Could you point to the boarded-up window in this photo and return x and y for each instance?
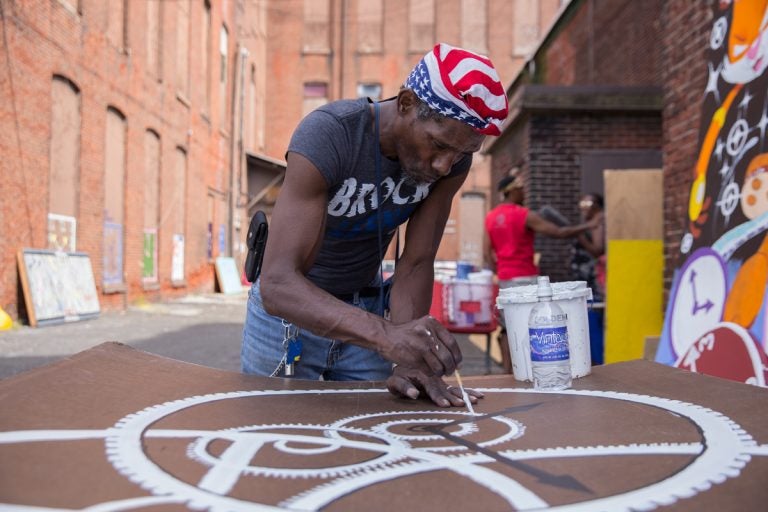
(211, 222)
(474, 25)
(179, 186)
(114, 197)
(116, 10)
(370, 90)
(250, 137)
(421, 36)
(64, 170)
(178, 214)
(182, 46)
(221, 229)
(370, 18)
(154, 37)
(205, 58)
(525, 27)
(315, 95)
(317, 26)
(65, 147)
(223, 65)
(472, 210)
(151, 179)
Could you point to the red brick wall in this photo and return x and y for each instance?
(344, 66)
(509, 152)
(607, 42)
(42, 38)
(684, 41)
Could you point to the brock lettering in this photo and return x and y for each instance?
(353, 199)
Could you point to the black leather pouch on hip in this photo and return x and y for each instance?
(256, 242)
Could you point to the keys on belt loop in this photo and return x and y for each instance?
(292, 346)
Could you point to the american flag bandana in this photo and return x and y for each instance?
(461, 85)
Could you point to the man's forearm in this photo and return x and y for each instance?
(411, 295)
(302, 303)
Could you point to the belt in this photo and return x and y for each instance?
(366, 292)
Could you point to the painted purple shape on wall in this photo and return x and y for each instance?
(113, 253)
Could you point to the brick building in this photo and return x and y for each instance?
(144, 132)
(589, 98)
(125, 124)
(323, 50)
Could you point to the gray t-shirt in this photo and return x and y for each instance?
(338, 138)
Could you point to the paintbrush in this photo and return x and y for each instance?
(464, 394)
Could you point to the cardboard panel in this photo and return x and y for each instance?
(127, 430)
(472, 212)
(228, 275)
(633, 204)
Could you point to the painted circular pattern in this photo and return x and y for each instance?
(716, 451)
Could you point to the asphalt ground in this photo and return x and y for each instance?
(200, 329)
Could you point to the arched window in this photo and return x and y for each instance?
(64, 170)
(151, 206)
(114, 200)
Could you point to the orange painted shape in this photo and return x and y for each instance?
(746, 295)
(698, 188)
(745, 27)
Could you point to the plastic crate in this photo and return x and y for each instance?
(463, 304)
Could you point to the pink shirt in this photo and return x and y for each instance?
(511, 240)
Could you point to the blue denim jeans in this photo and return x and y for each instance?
(329, 359)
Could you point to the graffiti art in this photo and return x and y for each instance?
(716, 316)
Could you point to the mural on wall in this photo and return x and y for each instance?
(177, 258)
(209, 241)
(222, 238)
(149, 256)
(716, 321)
(113, 253)
(62, 232)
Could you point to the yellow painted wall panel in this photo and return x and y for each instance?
(633, 309)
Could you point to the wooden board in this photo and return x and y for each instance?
(127, 430)
(227, 275)
(58, 286)
(633, 204)
(634, 261)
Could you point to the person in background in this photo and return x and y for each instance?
(357, 169)
(511, 229)
(588, 250)
(588, 264)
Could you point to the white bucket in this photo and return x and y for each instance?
(482, 277)
(517, 301)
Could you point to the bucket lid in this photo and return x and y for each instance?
(560, 291)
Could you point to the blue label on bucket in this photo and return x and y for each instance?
(549, 344)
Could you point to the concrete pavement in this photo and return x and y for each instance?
(202, 329)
